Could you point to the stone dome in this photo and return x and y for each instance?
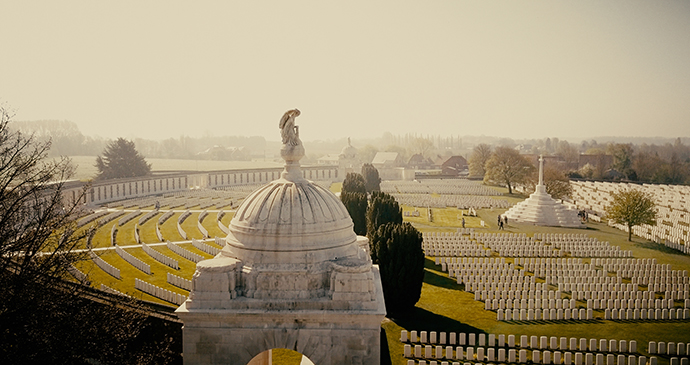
(291, 221)
(348, 151)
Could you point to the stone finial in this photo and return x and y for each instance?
(292, 150)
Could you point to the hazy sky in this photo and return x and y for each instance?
(160, 69)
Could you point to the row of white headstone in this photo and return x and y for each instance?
(180, 220)
(78, 274)
(179, 281)
(160, 257)
(191, 256)
(90, 218)
(200, 226)
(523, 341)
(130, 216)
(141, 265)
(201, 246)
(671, 348)
(433, 354)
(103, 265)
(443, 201)
(672, 207)
(113, 235)
(110, 290)
(165, 217)
(588, 314)
(452, 187)
(158, 292)
(109, 218)
(148, 216)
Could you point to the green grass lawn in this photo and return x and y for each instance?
(443, 306)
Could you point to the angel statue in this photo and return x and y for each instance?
(288, 130)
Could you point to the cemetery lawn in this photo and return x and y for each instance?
(444, 306)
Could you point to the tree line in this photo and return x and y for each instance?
(67, 140)
(507, 166)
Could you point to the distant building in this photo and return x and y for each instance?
(391, 166)
(332, 159)
(419, 162)
(220, 153)
(455, 166)
(347, 160)
(384, 160)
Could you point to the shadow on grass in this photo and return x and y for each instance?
(432, 278)
(656, 247)
(420, 319)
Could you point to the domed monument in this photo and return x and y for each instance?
(292, 274)
(348, 160)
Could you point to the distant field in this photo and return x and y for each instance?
(86, 165)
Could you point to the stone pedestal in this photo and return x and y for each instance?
(542, 210)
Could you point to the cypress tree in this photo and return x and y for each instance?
(372, 181)
(398, 248)
(356, 205)
(383, 209)
(354, 182)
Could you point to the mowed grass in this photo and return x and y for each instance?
(444, 305)
(147, 231)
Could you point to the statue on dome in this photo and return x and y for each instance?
(288, 130)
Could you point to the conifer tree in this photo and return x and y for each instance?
(382, 209)
(354, 197)
(121, 159)
(372, 181)
(354, 182)
(398, 248)
(356, 205)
